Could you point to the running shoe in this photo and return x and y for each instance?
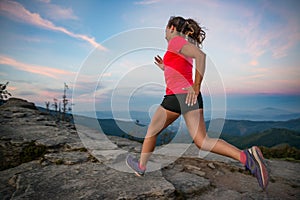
(256, 165)
(133, 163)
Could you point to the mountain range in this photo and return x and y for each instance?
(247, 127)
(269, 138)
(241, 133)
(263, 114)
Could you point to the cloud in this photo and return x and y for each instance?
(276, 30)
(56, 12)
(36, 69)
(28, 93)
(3, 74)
(146, 2)
(44, 1)
(36, 93)
(17, 12)
(253, 63)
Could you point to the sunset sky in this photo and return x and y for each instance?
(254, 45)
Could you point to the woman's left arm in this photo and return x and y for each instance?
(192, 51)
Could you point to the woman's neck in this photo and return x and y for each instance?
(172, 36)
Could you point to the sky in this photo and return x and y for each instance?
(252, 48)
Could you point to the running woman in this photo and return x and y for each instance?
(183, 97)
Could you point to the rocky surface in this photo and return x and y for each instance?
(41, 158)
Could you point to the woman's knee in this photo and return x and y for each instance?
(199, 141)
(206, 143)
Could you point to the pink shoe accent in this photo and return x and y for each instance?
(142, 167)
(243, 158)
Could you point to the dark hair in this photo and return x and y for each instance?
(177, 22)
(189, 28)
(194, 31)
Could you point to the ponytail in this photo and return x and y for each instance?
(194, 32)
(189, 28)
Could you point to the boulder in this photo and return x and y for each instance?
(16, 102)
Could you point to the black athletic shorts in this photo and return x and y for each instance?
(176, 103)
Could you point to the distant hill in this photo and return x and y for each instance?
(247, 133)
(241, 133)
(268, 138)
(246, 127)
(264, 114)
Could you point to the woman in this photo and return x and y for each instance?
(183, 97)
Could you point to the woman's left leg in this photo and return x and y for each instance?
(195, 123)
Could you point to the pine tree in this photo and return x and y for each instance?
(65, 101)
(4, 94)
(47, 106)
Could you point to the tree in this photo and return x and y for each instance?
(60, 106)
(4, 94)
(47, 106)
(65, 101)
(55, 105)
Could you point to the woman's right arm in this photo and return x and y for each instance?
(159, 62)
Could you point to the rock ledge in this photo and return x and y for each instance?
(44, 159)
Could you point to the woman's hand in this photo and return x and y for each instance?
(192, 95)
(159, 62)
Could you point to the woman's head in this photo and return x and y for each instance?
(176, 22)
(175, 25)
(187, 27)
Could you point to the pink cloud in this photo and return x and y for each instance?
(50, 94)
(39, 96)
(57, 13)
(16, 11)
(262, 35)
(264, 80)
(253, 63)
(36, 69)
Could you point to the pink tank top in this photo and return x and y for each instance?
(178, 70)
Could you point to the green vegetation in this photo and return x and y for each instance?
(276, 143)
(59, 162)
(246, 127)
(32, 152)
(284, 152)
(268, 138)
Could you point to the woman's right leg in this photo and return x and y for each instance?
(195, 123)
(161, 119)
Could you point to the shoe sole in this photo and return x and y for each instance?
(263, 170)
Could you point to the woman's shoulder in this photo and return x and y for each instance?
(178, 38)
(176, 43)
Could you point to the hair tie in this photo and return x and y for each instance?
(190, 32)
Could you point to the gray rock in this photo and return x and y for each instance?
(211, 165)
(194, 170)
(67, 158)
(88, 181)
(188, 185)
(41, 158)
(16, 102)
(220, 194)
